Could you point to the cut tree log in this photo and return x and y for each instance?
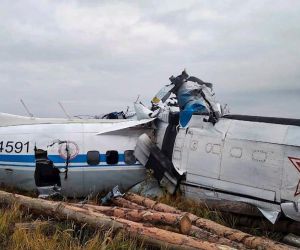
(150, 235)
(121, 202)
(132, 200)
(239, 236)
(211, 226)
(181, 221)
(155, 205)
(195, 231)
(148, 203)
(203, 234)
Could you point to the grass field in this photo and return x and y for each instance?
(68, 235)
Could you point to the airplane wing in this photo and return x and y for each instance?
(163, 94)
(124, 125)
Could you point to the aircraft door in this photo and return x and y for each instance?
(205, 151)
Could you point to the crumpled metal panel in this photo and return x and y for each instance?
(271, 215)
(291, 210)
(148, 188)
(199, 126)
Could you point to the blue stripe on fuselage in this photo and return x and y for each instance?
(18, 158)
(31, 159)
(81, 158)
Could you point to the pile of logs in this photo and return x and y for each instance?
(155, 223)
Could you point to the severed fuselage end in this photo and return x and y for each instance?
(209, 155)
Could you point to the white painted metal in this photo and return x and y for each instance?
(82, 178)
(201, 193)
(291, 175)
(205, 149)
(180, 155)
(257, 131)
(15, 120)
(234, 188)
(293, 136)
(241, 160)
(253, 164)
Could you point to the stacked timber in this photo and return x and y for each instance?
(155, 223)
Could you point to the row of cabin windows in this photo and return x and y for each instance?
(112, 157)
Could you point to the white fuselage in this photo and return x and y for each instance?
(249, 161)
(17, 160)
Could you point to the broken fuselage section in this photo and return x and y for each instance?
(75, 157)
(228, 157)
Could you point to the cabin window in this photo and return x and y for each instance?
(112, 157)
(129, 157)
(93, 157)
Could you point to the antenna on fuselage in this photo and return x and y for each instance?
(63, 109)
(26, 108)
(138, 97)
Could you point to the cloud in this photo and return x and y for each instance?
(97, 56)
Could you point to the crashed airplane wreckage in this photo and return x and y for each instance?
(185, 138)
(209, 155)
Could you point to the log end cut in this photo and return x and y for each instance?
(185, 224)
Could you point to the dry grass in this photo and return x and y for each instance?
(58, 235)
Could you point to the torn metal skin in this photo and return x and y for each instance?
(211, 155)
(185, 137)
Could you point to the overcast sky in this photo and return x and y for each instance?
(98, 56)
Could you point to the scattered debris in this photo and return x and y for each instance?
(114, 193)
